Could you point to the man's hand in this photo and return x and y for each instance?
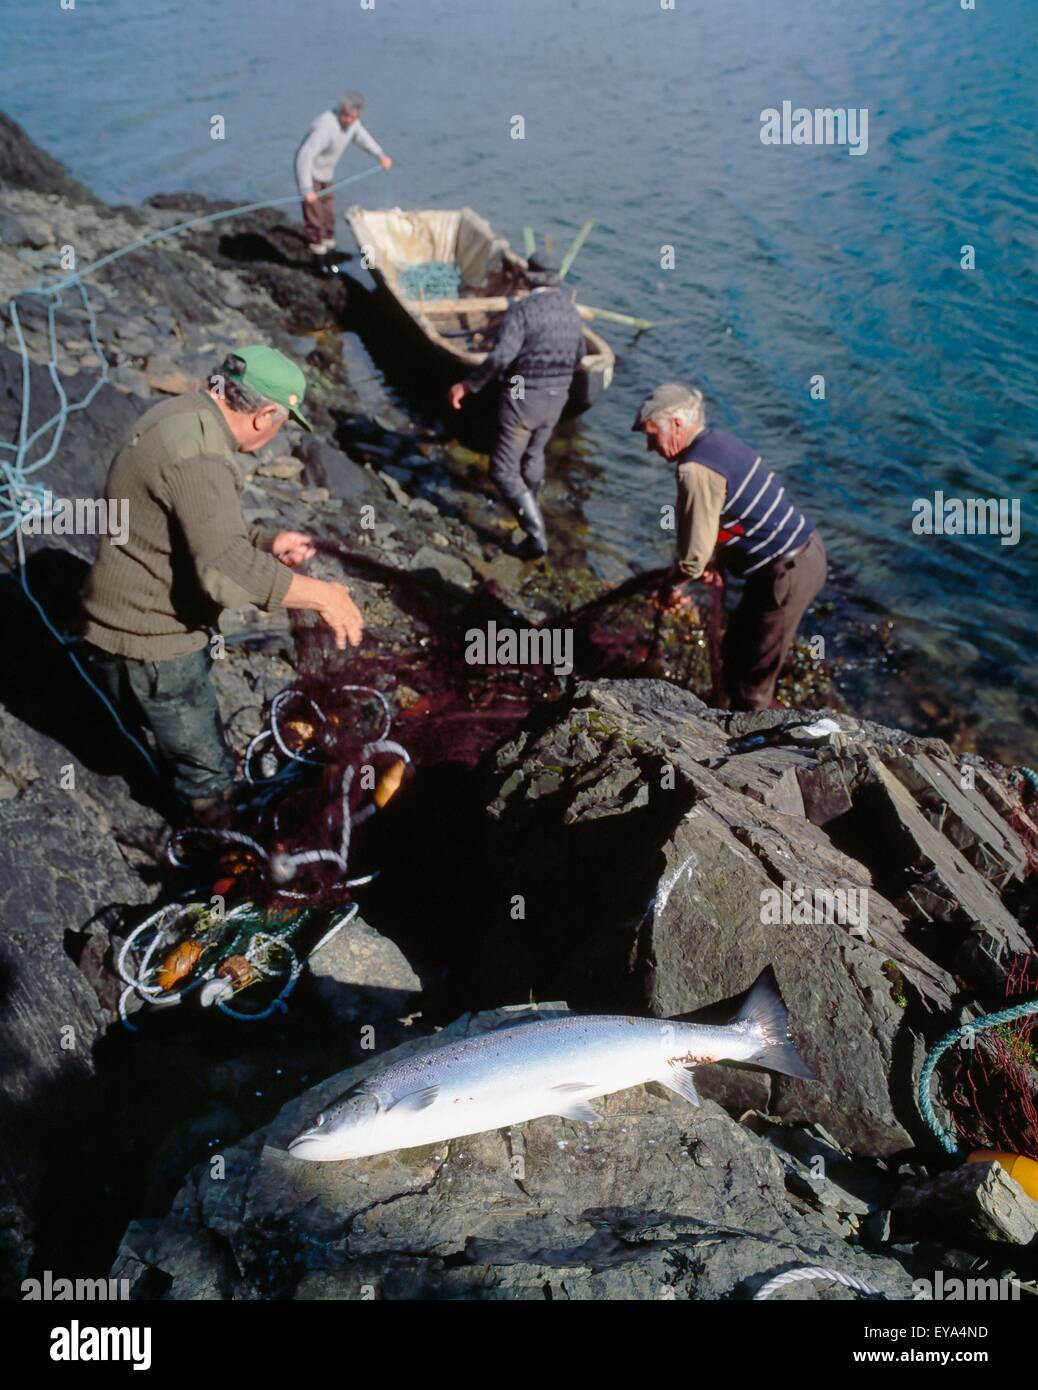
(310, 197)
(293, 548)
(457, 394)
(342, 615)
(674, 598)
(678, 596)
(386, 162)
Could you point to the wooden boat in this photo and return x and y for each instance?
(460, 330)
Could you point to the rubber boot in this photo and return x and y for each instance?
(528, 512)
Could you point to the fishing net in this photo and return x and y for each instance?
(994, 1097)
(430, 280)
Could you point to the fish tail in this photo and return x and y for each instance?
(765, 1009)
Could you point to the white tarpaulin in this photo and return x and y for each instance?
(396, 239)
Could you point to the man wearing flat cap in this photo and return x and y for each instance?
(539, 348)
(316, 158)
(734, 514)
(152, 603)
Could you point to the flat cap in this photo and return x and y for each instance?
(664, 398)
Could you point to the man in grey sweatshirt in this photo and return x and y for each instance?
(316, 159)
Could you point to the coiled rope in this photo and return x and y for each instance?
(281, 867)
(136, 976)
(793, 1276)
(978, 1025)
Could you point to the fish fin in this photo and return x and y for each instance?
(416, 1100)
(678, 1078)
(765, 1008)
(572, 1108)
(578, 1110)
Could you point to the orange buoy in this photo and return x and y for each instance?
(179, 963)
(389, 783)
(1022, 1170)
(240, 971)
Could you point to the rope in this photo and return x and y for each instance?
(218, 990)
(15, 488)
(793, 1276)
(943, 1134)
(281, 867)
(1031, 778)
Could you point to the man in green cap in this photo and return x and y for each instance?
(151, 603)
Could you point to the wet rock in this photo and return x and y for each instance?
(451, 568)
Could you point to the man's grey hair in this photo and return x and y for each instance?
(243, 400)
(351, 101)
(685, 404)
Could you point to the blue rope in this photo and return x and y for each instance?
(15, 487)
(977, 1025)
(1030, 777)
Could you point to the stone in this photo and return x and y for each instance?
(978, 1201)
(285, 466)
(450, 568)
(361, 976)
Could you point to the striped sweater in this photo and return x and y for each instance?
(749, 515)
(189, 552)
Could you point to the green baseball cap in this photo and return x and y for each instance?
(273, 375)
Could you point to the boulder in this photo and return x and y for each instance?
(719, 850)
(362, 976)
(977, 1202)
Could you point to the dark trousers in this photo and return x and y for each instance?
(175, 699)
(761, 630)
(523, 430)
(319, 217)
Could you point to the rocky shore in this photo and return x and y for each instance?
(609, 801)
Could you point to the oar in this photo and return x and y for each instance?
(574, 250)
(586, 311)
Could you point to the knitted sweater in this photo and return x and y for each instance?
(188, 552)
(541, 339)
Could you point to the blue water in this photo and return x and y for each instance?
(790, 261)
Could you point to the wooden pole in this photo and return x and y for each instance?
(613, 316)
(574, 250)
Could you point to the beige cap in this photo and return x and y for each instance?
(664, 398)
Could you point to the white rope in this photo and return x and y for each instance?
(793, 1276)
